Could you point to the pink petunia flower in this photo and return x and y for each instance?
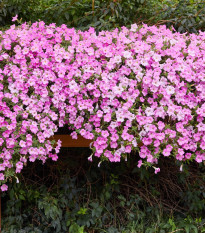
(4, 188)
(14, 18)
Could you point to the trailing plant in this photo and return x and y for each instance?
(139, 89)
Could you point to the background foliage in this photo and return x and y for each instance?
(74, 195)
(184, 15)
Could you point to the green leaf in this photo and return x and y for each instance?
(21, 197)
(67, 16)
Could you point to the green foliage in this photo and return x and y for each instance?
(81, 14)
(26, 9)
(183, 15)
(64, 197)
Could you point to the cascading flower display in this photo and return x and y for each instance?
(117, 88)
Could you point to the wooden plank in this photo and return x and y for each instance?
(67, 141)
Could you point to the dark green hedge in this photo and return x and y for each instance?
(76, 196)
(183, 15)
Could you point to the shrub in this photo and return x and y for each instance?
(120, 88)
(72, 195)
(102, 15)
(183, 15)
(28, 10)
(81, 14)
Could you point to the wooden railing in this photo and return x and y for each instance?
(67, 141)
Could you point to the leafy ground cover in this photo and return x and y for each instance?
(74, 195)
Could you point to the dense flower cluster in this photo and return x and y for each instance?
(118, 88)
